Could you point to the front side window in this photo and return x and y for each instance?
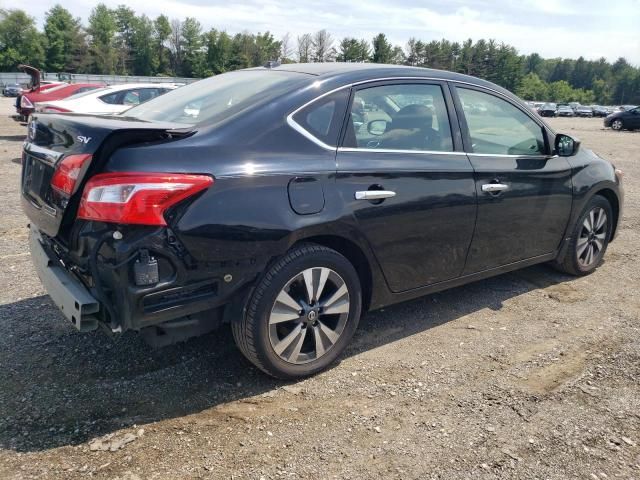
(399, 117)
(496, 127)
(132, 97)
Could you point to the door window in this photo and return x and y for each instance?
(499, 128)
(399, 117)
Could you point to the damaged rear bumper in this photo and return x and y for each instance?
(69, 294)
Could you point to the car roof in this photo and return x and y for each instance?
(356, 72)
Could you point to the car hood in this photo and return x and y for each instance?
(34, 73)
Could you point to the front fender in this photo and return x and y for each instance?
(592, 175)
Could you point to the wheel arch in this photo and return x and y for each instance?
(352, 252)
(614, 201)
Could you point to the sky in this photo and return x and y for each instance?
(553, 28)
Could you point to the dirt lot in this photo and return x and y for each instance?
(531, 374)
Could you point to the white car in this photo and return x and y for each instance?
(107, 101)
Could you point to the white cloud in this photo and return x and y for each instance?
(563, 28)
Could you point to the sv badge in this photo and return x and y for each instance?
(83, 139)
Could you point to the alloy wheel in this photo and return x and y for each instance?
(617, 125)
(309, 315)
(592, 239)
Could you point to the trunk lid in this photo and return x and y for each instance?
(34, 73)
(51, 138)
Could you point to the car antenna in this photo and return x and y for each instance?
(272, 64)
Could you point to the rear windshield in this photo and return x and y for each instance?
(217, 98)
(86, 93)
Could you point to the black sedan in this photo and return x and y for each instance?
(270, 199)
(548, 110)
(599, 111)
(625, 120)
(12, 90)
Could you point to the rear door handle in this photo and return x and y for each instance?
(374, 194)
(494, 187)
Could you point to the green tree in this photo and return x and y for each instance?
(561, 91)
(241, 51)
(20, 41)
(382, 49)
(265, 48)
(193, 50)
(348, 50)
(533, 88)
(145, 60)
(126, 22)
(65, 43)
(161, 34)
(602, 91)
(102, 46)
(219, 51)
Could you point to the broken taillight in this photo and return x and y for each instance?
(67, 171)
(137, 198)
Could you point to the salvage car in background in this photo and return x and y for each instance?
(37, 92)
(257, 197)
(565, 111)
(600, 111)
(107, 100)
(625, 120)
(25, 106)
(583, 111)
(12, 90)
(548, 110)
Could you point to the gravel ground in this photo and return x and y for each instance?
(532, 374)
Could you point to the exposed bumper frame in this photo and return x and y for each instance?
(68, 293)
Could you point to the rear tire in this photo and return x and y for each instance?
(589, 239)
(302, 313)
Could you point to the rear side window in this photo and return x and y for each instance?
(323, 118)
(112, 98)
(496, 127)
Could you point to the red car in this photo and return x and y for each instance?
(38, 92)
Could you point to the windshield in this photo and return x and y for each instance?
(217, 98)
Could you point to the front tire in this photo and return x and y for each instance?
(589, 240)
(302, 313)
(617, 124)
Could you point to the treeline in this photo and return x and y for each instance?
(118, 41)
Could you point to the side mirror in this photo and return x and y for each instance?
(377, 127)
(566, 146)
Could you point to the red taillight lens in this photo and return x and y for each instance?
(66, 175)
(25, 102)
(137, 198)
